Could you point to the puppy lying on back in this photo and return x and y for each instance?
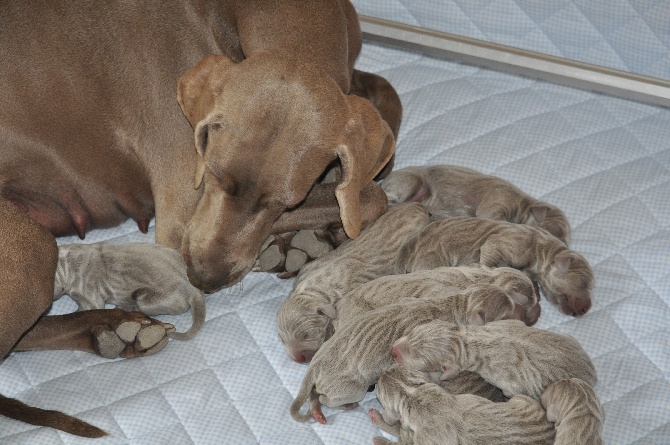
(436, 282)
(564, 275)
(448, 190)
(304, 318)
(136, 276)
(420, 412)
(514, 357)
(347, 364)
(576, 412)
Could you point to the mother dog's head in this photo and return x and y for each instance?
(265, 130)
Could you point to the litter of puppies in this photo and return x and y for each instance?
(442, 321)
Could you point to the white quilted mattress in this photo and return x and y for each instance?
(604, 161)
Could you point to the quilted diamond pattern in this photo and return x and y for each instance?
(605, 161)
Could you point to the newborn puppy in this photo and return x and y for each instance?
(508, 354)
(564, 275)
(437, 282)
(576, 412)
(136, 276)
(448, 190)
(347, 364)
(427, 415)
(470, 383)
(304, 318)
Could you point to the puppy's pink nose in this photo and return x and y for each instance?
(395, 354)
(579, 306)
(299, 358)
(584, 306)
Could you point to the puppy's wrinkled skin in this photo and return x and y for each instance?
(565, 276)
(426, 414)
(449, 190)
(304, 320)
(136, 276)
(471, 383)
(436, 283)
(514, 357)
(574, 408)
(347, 364)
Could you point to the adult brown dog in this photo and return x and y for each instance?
(91, 133)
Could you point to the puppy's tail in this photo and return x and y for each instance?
(198, 311)
(17, 410)
(303, 395)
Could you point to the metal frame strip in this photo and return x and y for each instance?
(517, 61)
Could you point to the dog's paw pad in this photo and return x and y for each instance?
(307, 241)
(149, 336)
(127, 331)
(107, 343)
(157, 347)
(271, 258)
(295, 259)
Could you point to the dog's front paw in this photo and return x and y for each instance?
(287, 253)
(131, 334)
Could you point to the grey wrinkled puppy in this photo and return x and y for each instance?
(470, 383)
(514, 357)
(135, 276)
(436, 283)
(564, 275)
(345, 366)
(421, 412)
(304, 318)
(449, 190)
(574, 408)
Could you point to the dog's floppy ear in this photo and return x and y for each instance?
(367, 146)
(198, 87)
(196, 91)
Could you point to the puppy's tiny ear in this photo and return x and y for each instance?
(552, 415)
(449, 372)
(328, 310)
(539, 212)
(389, 418)
(519, 298)
(477, 318)
(562, 262)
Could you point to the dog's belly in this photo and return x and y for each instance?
(73, 202)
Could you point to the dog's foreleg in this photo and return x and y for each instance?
(106, 332)
(320, 209)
